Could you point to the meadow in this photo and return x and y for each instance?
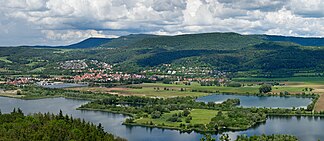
(199, 116)
(292, 85)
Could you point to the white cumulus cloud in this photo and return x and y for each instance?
(59, 22)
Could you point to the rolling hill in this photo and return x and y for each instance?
(87, 43)
(298, 40)
(260, 55)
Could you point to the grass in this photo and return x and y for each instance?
(162, 120)
(4, 59)
(292, 90)
(145, 91)
(174, 90)
(196, 86)
(3, 70)
(10, 93)
(32, 64)
(149, 87)
(199, 116)
(319, 106)
(202, 116)
(151, 92)
(40, 69)
(292, 85)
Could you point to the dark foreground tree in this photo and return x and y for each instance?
(18, 127)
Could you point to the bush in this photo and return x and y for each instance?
(234, 84)
(174, 119)
(188, 119)
(156, 114)
(186, 112)
(265, 88)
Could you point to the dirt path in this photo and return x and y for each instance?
(10, 93)
(319, 106)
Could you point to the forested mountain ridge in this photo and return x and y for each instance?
(87, 43)
(304, 41)
(220, 41)
(221, 51)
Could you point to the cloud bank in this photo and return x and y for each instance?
(58, 22)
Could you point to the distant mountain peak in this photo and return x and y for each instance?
(89, 43)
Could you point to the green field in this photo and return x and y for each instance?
(151, 92)
(150, 89)
(196, 86)
(4, 59)
(202, 116)
(196, 90)
(38, 69)
(32, 64)
(199, 116)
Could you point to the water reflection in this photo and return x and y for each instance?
(305, 128)
(260, 101)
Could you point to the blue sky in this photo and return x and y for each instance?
(59, 22)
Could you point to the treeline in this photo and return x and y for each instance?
(141, 107)
(169, 56)
(18, 127)
(237, 119)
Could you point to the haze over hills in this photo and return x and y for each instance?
(247, 54)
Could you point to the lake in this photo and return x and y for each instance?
(63, 85)
(305, 128)
(260, 101)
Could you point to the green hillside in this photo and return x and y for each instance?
(220, 41)
(247, 54)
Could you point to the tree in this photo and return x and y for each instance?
(18, 92)
(207, 137)
(234, 84)
(224, 137)
(100, 128)
(156, 114)
(186, 112)
(265, 88)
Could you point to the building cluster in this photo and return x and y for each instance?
(168, 69)
(93, 70)
(108, 77)
(73, 65)
(84, 64)
(20, 81)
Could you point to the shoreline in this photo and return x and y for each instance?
(170, 127)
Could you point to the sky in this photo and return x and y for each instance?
(60, 22)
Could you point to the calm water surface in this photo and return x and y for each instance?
(260, 101)
(64, 85)
(305, 128)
